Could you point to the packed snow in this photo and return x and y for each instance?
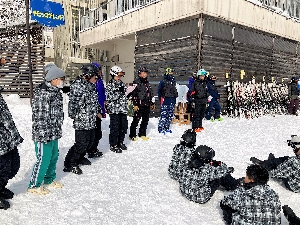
(134, 187)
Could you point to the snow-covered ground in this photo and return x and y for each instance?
(134, 187)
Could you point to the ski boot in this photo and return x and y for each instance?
(73, 169)
(122, 146)
(255, 161)
(6, 193)
(115, 149)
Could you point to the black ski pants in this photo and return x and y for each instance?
(118, 128)
(200, 107)
(272, 163)
(9, 166)
(98, 136)
(144, 113)
(84, 140)
(227, 181)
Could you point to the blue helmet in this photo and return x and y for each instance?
(201, 72)
(97, 65)
(295, 79)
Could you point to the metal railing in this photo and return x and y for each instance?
(287, 8)
(111, 10)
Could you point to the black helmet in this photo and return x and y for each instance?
(205, 153)
(142, 69)
(211, 77)
(89, 70)
(189, 137)
(258, 173)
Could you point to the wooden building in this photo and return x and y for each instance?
(14, 49)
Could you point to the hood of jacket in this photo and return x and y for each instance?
(260, 192)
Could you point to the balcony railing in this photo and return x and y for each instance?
(111, 10)
(287, 8)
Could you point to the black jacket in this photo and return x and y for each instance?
(200, 91)
(142, 94)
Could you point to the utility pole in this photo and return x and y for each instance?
(29, 50)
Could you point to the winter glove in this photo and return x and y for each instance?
(135, 108)
(152, 107)
(215, 163)
(193, 105)
(122, 89)
(209, 98)
(230, 169)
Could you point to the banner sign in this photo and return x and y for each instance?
(47, 13)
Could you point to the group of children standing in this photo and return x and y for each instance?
(252, 200)
(89, 101)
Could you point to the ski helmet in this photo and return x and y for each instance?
(211, 77)
(258, 173)
(194, 75)
(201, 72)
(89, 70)
(205, 153)
(295, 79)
(142, 69)
(97, 65)
(169, 71)
(189, 137)
(115, 70)
(295, 143)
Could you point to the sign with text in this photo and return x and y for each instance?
(47, 13)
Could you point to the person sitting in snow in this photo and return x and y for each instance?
(285, 168)
(47, 120)
(181, 154)
(167, 94)
(254, 202)
(9, 154)
(203, 176)
(213, 100)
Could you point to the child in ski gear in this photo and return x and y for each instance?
(167, 94)
(285, 168)
(189, 108)
(181, 154)
(47, 120)
(290, 215)
(199, 95)
(83, 108)
(142, 103)
(203, 176)
(101, 100)
(117, 108)
(293, 93)
(100, 89)
(213, 99)
(254, 202)
(9, 155)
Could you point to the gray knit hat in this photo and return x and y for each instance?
(53, 72)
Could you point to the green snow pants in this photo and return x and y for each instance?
(44, 170)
